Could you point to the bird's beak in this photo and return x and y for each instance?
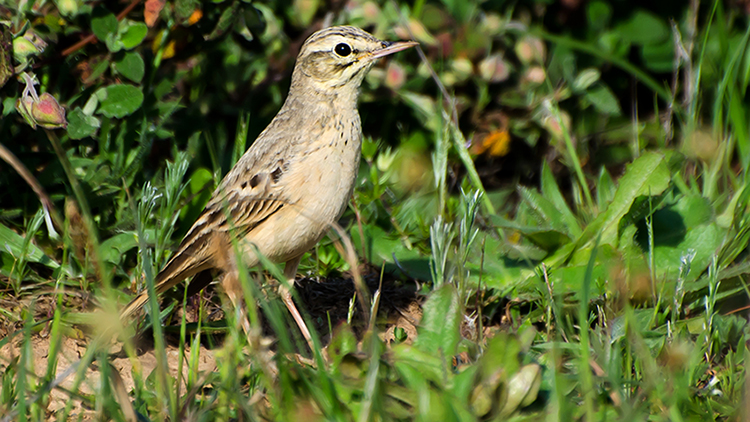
(390, 48)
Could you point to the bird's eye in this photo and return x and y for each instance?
(343, 49)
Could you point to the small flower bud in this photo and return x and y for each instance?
(67, 7)
(23, 106)
(23, 48)
(494, 69)
(534, 75)
(42, 110)
(395, 75)
(48, 113)
(531, 50)
(463, 68)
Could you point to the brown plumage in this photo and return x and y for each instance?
(296, 178)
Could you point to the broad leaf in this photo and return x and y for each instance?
(103, 23)
(12, 243)
(551, 191)
(439, 328)
(130, 66)
(603, 100)
(648, 175)
(113, 249)
(81, 125)
(131, 34)
(119, 100)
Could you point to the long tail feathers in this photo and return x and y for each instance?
(177, 269)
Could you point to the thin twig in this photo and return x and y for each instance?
(91, 37)
(29, 178)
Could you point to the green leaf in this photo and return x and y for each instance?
(103, 23)
(598, 13)
(119, 100)
(131, 34)
(439, 329)
(113, 43)
(543, 208)
(659, 57)
(81, 125)
(687, 227)
(545, 236)
(603, 100)
(562, 64)
(9, 106)
(13, 244)
(644, 28)
(703, 240)
(605, 189)
(113, 249)
(501, 357)
(130, 66)
(417, 365)
(99, 68)
(569, 279)
(503, 274)
(498, 363)
(648, 175)
(342, 343)
(586, 78)
(199, 190)
(551, 191)
(523, 388)
(385, 248)
(695, 210)
(226, 20)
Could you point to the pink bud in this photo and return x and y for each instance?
(395, 76)
(531, 50)
(48, 113)
(534, 75)
(494, 69)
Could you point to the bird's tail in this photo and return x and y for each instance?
(177, 269)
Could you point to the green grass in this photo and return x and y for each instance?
(611, 284)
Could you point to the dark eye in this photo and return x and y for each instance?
(342, 49)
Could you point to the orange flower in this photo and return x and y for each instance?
(496, 142)
(195, 17)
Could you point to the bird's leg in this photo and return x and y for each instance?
(290, 270)
(233, 289)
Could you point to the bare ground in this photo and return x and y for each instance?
(326, 302)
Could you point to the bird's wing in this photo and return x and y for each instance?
(249, 194)
(243, 200)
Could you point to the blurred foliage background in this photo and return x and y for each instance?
(582, 86)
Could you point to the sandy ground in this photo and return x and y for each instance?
(329, 301)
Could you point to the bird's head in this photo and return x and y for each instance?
(338, 58)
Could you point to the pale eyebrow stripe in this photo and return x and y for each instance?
(341, 33)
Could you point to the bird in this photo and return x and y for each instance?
(295, 180)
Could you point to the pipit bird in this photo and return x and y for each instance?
(295, 180)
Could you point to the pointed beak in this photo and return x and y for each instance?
(390, 48)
